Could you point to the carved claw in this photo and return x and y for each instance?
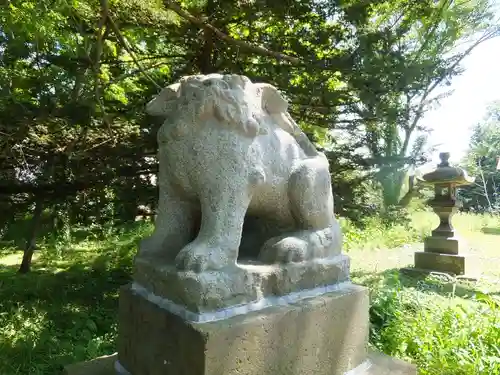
(199, 257)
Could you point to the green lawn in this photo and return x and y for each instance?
(65, 309)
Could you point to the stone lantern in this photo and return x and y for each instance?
(443, 250)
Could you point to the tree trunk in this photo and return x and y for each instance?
(31, 240)
(392, 182)
(412, 192)
(205, 60)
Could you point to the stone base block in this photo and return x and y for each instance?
(99, 366)
(381, 364)
(375, 364)
(444, 245)
(239, 285)
(455, 264)
(324, 335)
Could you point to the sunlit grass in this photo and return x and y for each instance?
(426, 322)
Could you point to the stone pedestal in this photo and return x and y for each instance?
(245, 287)
(375, 364)
(446, 252)
(323, 335)
(456, 264)
(296, 319)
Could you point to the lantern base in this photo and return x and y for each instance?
(444, 245)
(455, 264)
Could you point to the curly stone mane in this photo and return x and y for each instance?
(232, 99)
(227, 97)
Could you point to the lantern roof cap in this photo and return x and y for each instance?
(447, 174)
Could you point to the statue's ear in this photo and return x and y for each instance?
(272, 101)
(276, 105)
(236, 80)
(158, 106)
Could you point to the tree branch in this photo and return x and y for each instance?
(133, 73)
(145, 58)
(419, 111)
(172, 5)
(432, 30)
(61, 189)
(125, 45)
(102, 32)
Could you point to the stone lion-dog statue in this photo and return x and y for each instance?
(237, 174)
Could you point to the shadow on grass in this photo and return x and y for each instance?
(52, 317)
(427, 283)
(495, 231)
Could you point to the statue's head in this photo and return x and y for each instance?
(232, 99)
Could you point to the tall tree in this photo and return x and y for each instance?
(481, 161)
(75, 75)
(410, 54)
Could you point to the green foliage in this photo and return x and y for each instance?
(481, 162)
(75, 75)
(409, 56)
(375, 233)
(74, 84)
(41, 329)
(443, 335)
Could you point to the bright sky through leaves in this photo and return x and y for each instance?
(478, 86)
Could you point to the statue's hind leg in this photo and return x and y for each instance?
(311, 203)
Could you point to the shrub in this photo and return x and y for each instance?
(441, 335)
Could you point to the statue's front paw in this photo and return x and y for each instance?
(284, 250)
(199, 257)
(302, 246)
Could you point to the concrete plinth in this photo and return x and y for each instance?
(444, 245)
(243, 284)
(456, 264)
(375, 364)
(324, 335)
(320, 334)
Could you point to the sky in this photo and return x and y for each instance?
(478, 86)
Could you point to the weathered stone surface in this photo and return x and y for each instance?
(375, 364)
(443, 250)
(243, 274)
(446, 174)
(325, 335)
(381, 364)
(457, 264)
(230, 154)
(444, 245)
(241, 284)
(104, 365)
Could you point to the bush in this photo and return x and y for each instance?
(377, 233)
(441, 335)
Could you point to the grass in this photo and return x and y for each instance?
(443, 333)
(65, 310)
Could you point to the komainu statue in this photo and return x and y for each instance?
(237, 178)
